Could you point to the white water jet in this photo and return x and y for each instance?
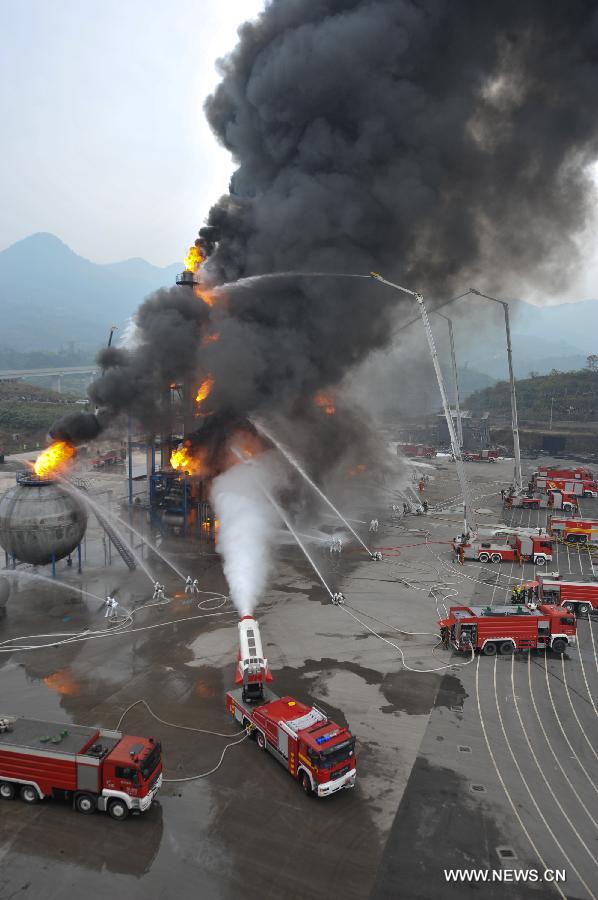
(294, 462)
(247, 527)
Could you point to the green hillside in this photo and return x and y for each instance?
(27, 411)
(572, 395)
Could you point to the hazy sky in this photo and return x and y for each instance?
(104, 141)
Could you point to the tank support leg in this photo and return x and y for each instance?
(79, 558)
(53, 566)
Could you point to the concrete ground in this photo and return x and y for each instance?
(487, 764)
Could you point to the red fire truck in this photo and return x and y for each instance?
(316, 751)
(488, 456)
(556, 472)
(574, 531)
(551, 500)
(494, 628)
(416, 450)
(90, 767)
(110, 458)
(580, 597)
(574, 481)
(512, 547)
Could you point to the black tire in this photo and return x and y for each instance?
(490, 649)
(570, 606)
(559, 645)
(29, 794)
(540, 560)
(484, 558)
(582, 539)
(260, 740)
(306, 784)
(506, 648)
(85, 804)
(8, 790)
(118, 810)
(496, 558)
(583, 609)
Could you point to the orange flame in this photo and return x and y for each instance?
(53, 457)
(210, 338)
(62, 682)
(194, 258)
(202, 294)
(326, 402)
(205, 389)
(359, 469)
(182, 459)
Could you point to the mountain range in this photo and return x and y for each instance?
(51, 297)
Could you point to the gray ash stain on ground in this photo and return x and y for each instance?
(414, 693)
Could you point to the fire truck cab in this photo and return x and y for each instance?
(501, 628)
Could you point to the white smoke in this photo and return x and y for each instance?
(248, 526)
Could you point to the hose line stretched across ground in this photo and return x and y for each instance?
(186, 728)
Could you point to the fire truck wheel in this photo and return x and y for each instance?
(261, 740)
(490, 649)
(506, 648)
(496, 557)
(7, 790)
(118, 810)
(540, 560)
(583, 609)
(306, 784)
(582, 538)
(483, 557)
(85, 803)
(559, 646)
(29, 794)
(569, 606)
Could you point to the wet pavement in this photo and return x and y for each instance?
(422, 803)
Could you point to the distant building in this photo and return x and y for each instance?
(476, 429)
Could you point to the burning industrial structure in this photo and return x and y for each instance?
(415, 133)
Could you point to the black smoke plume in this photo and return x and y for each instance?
(432, 141)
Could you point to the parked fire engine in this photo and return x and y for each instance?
(488, 456)
(574, 531)
(580, 597)
(110, 458)
(578, 472)
(91, 767)
(502, 628)
(512, 547)
(416, 450)
(552, 500)
(316, 751)
(579, 482)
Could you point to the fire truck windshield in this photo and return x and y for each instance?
(150, 762)
(335, 755)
